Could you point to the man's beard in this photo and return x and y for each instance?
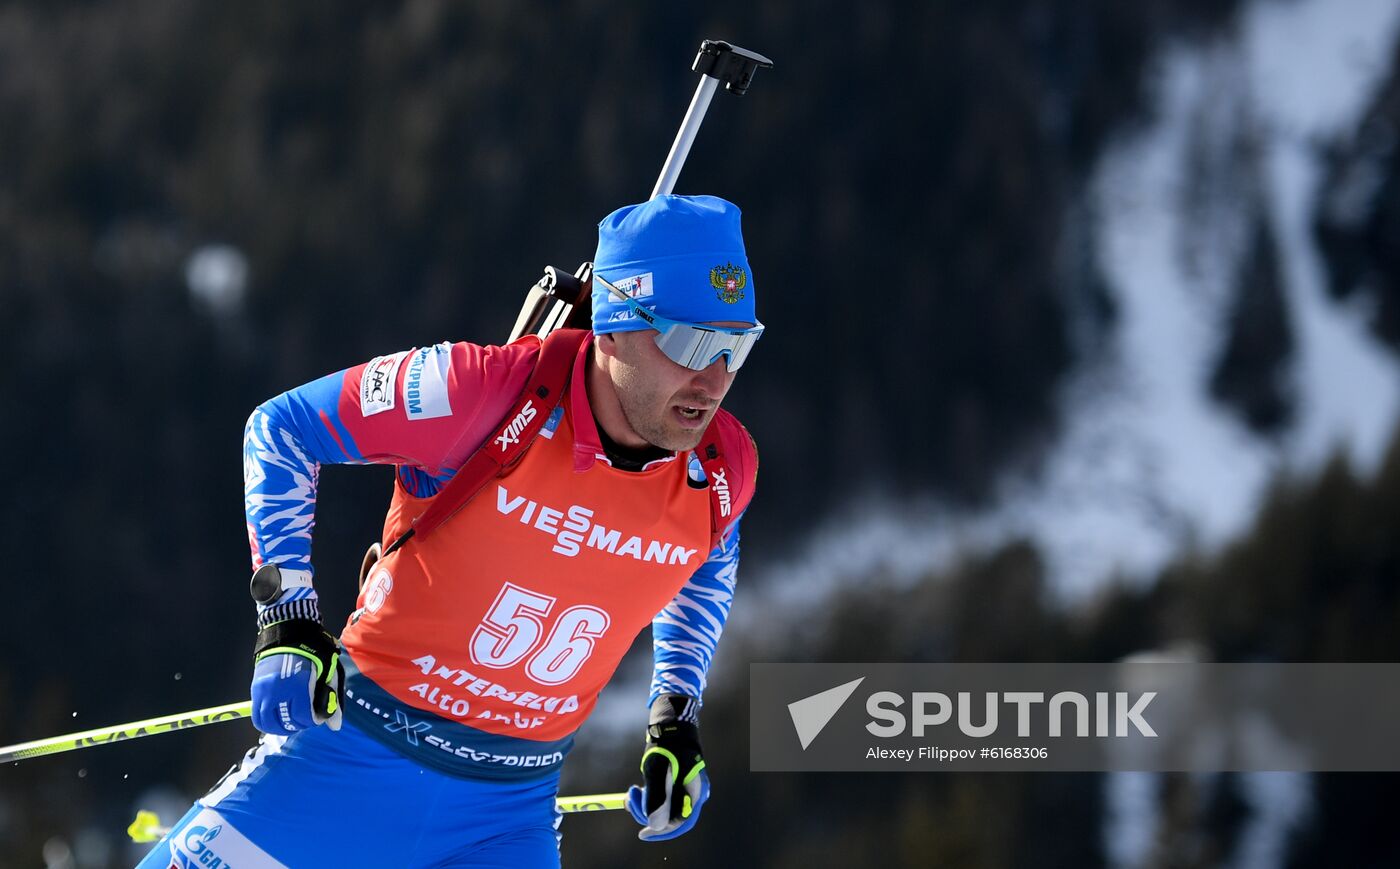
(652, 427)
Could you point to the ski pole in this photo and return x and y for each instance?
(591, 803)
(147, 827)
(122, 732)
(213, 715)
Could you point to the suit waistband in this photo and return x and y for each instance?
(446, 746)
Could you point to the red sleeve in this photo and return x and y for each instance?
(433, 406)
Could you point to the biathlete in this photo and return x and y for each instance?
(476, 652)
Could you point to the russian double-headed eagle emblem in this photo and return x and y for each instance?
(729, 281)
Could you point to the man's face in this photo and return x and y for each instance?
(667, 404)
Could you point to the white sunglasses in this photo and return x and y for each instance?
(693, 346)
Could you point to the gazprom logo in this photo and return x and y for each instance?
(413, 385)
(425, 392)
(197, 843)
(198, 837)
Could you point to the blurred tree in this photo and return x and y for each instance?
(1252, 372)
(1358, 223)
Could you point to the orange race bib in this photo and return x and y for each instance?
(514, 615)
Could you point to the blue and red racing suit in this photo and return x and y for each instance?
(472, 658)
(426, 411)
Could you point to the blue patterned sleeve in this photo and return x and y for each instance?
(285, 442)
(421, 409)
(686, 633)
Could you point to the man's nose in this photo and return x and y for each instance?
(713, 378)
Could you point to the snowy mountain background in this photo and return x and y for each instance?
(1205, 220)
(1150, 462)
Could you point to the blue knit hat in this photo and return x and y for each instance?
(680, 256)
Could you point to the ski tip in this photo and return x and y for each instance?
(146, 828)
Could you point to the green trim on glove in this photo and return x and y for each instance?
(307, 639)
(293, 650)
(656, 749)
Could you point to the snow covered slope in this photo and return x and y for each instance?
(1149, 461)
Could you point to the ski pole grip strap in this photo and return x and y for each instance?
(303, 635)
(512, 437)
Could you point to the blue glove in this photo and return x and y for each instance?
(674, 782)
(297, 678)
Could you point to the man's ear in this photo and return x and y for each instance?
(606, 344)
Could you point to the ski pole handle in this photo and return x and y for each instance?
(123, 732)
(718, 63)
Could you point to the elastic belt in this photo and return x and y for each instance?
(447, 746)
